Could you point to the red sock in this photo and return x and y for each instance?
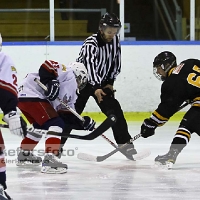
(52, 145)
(28, 144)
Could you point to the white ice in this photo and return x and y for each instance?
(113, 179)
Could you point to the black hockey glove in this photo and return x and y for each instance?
(53, 90)
(148, 128)
(88, 124)
(108, 91)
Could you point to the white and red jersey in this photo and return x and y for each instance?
(8, 74)
(8, 84)
(68, 85)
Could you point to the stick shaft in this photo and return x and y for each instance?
(101, 158)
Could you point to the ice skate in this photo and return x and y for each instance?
(129, 151)
(168, 159)
(52, 165)
(27, 158)
(60, 153)
(3, 194)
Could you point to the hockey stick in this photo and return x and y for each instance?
(104, 126)
(184, 104)
(73, 111)
(76, 114)
(88, 157)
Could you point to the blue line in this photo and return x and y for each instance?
(73, 43)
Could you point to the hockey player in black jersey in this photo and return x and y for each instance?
(180, 83)
(101, 55)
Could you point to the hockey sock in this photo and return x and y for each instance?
(52, 145)
(28, 144)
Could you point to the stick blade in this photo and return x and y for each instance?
(86, 157)
(141, 155)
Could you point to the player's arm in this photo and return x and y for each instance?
(169, 105)
(48, 76)
(8, 105)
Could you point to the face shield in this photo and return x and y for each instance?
(160, 71)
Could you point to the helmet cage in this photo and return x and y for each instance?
(80, 73)
(81, 79)
(166, 67)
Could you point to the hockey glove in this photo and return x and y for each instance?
(53, 90)
(148, 128)
(16, 123)
(108, 91)
(88, 124)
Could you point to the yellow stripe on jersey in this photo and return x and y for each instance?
(196, 99)
(196, 104)
(170, 71)
(183, 133)
(160, 117)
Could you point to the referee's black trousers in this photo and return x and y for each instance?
(108, 106)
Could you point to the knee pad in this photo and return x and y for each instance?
(56, 129)
(57, 121)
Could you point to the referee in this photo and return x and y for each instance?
(101, 55)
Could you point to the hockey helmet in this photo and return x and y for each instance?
(166, 60)
(109, 20)
(80, 73)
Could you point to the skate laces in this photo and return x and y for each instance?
(52, 157)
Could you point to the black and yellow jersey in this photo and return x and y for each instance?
(182, 84)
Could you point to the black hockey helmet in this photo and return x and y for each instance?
(166, 60)
(109, 20)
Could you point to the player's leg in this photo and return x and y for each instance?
(43, 116)
(3, 186)
(81, 101)
(108, 106)
(32, 111)
(188, 125)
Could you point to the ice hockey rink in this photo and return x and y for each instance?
(116, 178)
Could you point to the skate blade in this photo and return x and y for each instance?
(141, 155)
(86, 157)
(26, 164)
(50, 170)
(168, 165)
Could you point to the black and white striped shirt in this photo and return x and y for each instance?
(102, 60)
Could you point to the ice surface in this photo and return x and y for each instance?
(113, 179)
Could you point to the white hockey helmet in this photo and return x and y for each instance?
(80, 73)
(0, 42)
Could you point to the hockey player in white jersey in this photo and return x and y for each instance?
(41, 109)
(8, 104)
